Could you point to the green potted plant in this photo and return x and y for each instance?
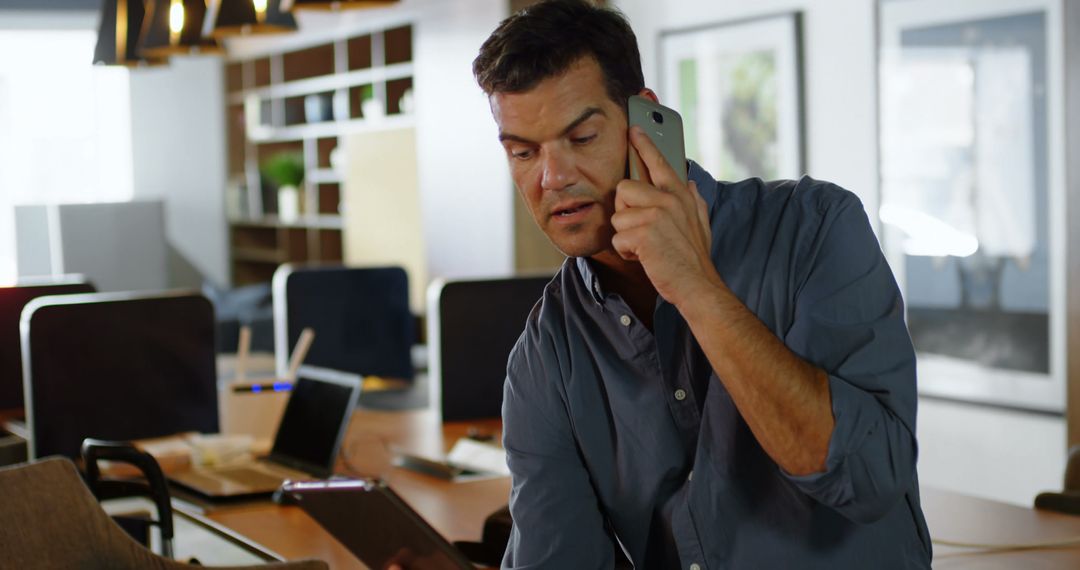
(370, 107)
(286, 171)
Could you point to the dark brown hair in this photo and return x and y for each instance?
(545, 39)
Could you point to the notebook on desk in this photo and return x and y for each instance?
(305, 446)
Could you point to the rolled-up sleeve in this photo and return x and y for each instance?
(849, 321)
(557, 519)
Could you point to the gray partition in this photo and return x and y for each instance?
(472, 326)
(117, 246)
(117, 366)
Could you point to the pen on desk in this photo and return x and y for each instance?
(267, 387)
(243, 346)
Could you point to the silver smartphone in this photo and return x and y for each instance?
(664, 127)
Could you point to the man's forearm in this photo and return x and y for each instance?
(784, 399)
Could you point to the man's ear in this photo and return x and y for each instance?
(649, 94)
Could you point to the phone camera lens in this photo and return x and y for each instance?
(657, 118)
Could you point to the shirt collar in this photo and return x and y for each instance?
(589, 278)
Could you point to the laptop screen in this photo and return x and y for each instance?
(314, 421)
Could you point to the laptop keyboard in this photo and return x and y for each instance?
(249, 476)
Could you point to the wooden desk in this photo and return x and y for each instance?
(956, 517)
(456, 510)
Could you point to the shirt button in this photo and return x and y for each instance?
(625, 320)
(680, 394)
(695, 566)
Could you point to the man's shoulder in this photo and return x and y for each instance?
(535, 355)
(808, 193)
(545, 318)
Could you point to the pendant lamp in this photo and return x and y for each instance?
(118, 34)
(174, 27)
(226, 18)
(335, 4)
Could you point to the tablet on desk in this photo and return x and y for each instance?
(376, 525)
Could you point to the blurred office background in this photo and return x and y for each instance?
(360, 137)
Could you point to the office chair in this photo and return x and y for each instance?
(472, 326)
(360, 315)
(51, 520)
(153, 487)
(117, 366)
(12, 302)
(1068, 500)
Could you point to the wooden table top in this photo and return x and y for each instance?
(458, 510)
(961, 518)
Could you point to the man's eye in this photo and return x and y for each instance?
(521, 154)
(583, 140)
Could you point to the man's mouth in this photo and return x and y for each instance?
(571, 210)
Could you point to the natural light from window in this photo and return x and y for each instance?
(65, 128)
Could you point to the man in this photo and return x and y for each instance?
(720, 375)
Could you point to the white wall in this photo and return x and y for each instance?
(178, 148)
(465, 187)
(839, 68)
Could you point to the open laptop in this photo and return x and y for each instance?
(306, 445)
(376, 525)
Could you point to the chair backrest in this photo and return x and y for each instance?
(49, 519)
(360, 316)
(117, 366)
(472, 326)
(12, 302)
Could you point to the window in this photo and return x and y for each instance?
(65, 127)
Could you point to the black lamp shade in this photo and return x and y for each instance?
(335, 4)
(159, 39)
(118, 33)
(226, 18)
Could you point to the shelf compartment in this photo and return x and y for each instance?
(295, 243)
(253, 238)
(311, 62)
(330, 246)
(236, 138)
(262, 71)
(258, 255)
(357, 98)
(324, 147)
(359, 52)
(329, 198)
(234, 77)
(398, 45)
(247, 272)
(394, 90)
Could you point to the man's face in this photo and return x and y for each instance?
(566, 142)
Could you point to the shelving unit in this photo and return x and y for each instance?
(305, 100)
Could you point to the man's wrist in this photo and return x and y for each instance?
(705, 295)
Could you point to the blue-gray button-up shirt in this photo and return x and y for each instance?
(625, 446)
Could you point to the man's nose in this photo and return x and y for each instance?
(559, 171)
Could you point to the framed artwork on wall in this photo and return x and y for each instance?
(738, 86)
(972, 193)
